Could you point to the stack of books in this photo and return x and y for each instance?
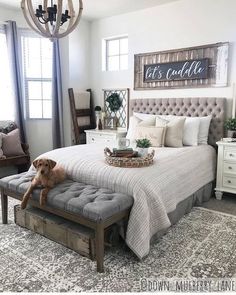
(126, 153)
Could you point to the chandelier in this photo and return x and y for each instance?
(52, 20)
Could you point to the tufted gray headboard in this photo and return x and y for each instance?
(192, 107)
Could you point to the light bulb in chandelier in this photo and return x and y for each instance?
(47, 19)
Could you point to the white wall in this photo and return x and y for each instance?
(175, 25)
(74, 62)
(78, 72)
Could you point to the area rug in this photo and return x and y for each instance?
(201, 245)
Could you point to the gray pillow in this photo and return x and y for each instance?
(1, 152)
(11, 144)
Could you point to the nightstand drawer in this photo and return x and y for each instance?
(95, 139)
(229, 181)
(229, 167)
(230, 154)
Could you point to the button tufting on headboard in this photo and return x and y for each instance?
(193, 107)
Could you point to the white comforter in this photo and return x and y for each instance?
(176, 174)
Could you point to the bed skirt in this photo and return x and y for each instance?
(202, 195)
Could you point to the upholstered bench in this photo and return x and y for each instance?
(96, 208)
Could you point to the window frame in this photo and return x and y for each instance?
(30, 34)
(107, 56)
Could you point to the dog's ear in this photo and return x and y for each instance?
(35, 163)
(51, 164)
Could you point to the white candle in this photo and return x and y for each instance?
(233, 107)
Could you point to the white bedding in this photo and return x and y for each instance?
(176, 174)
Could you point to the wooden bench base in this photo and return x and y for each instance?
(98, 227)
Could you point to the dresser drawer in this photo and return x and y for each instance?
(230, 154)
(99, 138)
(229, 167)
(229, 181)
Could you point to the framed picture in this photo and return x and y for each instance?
(201, 66)
(110, 123)
(122, 114)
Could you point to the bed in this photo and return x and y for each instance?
(165, 191)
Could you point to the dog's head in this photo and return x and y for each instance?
(44, 166)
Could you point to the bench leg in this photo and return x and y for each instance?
(4, 203)
(100, 247)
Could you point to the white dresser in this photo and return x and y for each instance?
(226, 169)
(104, 136)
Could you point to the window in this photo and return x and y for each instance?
(7, 101)
(37, 65)
(117, 54)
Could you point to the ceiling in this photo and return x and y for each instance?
(95, 9)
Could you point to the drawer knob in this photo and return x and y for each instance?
(92, 139)
(230, 168)
(231, 155)
(229, 181)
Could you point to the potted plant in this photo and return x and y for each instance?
(142, 146)
(230, 126)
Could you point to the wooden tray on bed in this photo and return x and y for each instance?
(136, 162)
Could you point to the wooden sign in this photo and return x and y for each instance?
(202, 66)
(181, 70)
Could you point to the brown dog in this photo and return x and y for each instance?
(48, 175)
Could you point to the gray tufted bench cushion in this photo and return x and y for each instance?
(78, 198)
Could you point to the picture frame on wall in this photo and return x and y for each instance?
(122, 114)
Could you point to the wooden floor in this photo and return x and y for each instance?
(226, 205)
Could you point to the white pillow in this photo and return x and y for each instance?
(191, 131)
(191, 128)
(204, 129)
(143, 116)
(133, 122)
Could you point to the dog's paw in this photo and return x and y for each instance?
(42, 201)
(23, 205)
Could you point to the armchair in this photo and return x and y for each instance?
(20, 162)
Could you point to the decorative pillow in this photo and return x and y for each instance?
(156, 135)
(174, 132)
(133, 122)
(1, 136)
(148, 122)
(7, 126)
(11, 144)
(191, 128)
(204, 129)
(1, 152)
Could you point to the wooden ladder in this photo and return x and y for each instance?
(78, 113)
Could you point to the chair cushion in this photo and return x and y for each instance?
(74, 197)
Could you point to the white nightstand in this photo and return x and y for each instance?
(104, 136)
(226, 169)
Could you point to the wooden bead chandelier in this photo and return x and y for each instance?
(49, 19)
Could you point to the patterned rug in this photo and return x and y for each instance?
(202, 245)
